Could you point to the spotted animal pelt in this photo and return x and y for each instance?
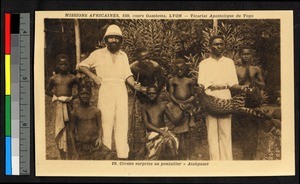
(219, 107)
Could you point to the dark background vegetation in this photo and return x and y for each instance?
(168, 39)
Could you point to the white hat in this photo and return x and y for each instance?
(113, 30)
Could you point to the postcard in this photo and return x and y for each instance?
(164, 93)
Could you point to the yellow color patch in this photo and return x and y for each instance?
(7, 74)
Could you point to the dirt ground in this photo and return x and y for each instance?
(268, 144)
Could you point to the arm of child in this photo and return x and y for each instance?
(192, 89)
(171, 92)
(77, 83)
(100, 130)
(50, 87)
(170, 116)
(150, 126)
(260, 80)
(73, 121)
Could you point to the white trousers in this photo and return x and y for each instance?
(219, 131)
(113, 103)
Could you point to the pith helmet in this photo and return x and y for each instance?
(113, 30)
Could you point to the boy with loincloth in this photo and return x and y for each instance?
(86, 130)
(60, 89)
(161, 143)
(181, 90)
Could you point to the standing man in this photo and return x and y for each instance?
(113, 71)
(149, 72)
(217, 73)
(250, 76)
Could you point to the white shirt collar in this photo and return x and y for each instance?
(215, 59)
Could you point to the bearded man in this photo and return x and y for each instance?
(113, 72)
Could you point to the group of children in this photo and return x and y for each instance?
(171, 142)
(78, 132)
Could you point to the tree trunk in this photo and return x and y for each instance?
(215, 26)
(77, 40)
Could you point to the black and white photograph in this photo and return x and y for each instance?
(129, 93)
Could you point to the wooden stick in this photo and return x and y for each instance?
(133, 114)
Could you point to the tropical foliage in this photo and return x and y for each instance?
(169, 39)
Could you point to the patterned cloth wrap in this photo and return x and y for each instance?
(88, 151)
(61, 116)
(156, 143)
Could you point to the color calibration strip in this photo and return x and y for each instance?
(17, 94)
(8, 155)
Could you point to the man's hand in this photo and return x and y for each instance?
(98, 142)
(245, 88)
(143, 89)
(137, 86)
(97, 80)
(217, 87)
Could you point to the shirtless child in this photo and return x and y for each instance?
(60, 89)
(161, 143)
(86, 130)
(249, 75)
(181, 90)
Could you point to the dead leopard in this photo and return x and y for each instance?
(216, 106)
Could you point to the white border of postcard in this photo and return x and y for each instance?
(285, 166)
